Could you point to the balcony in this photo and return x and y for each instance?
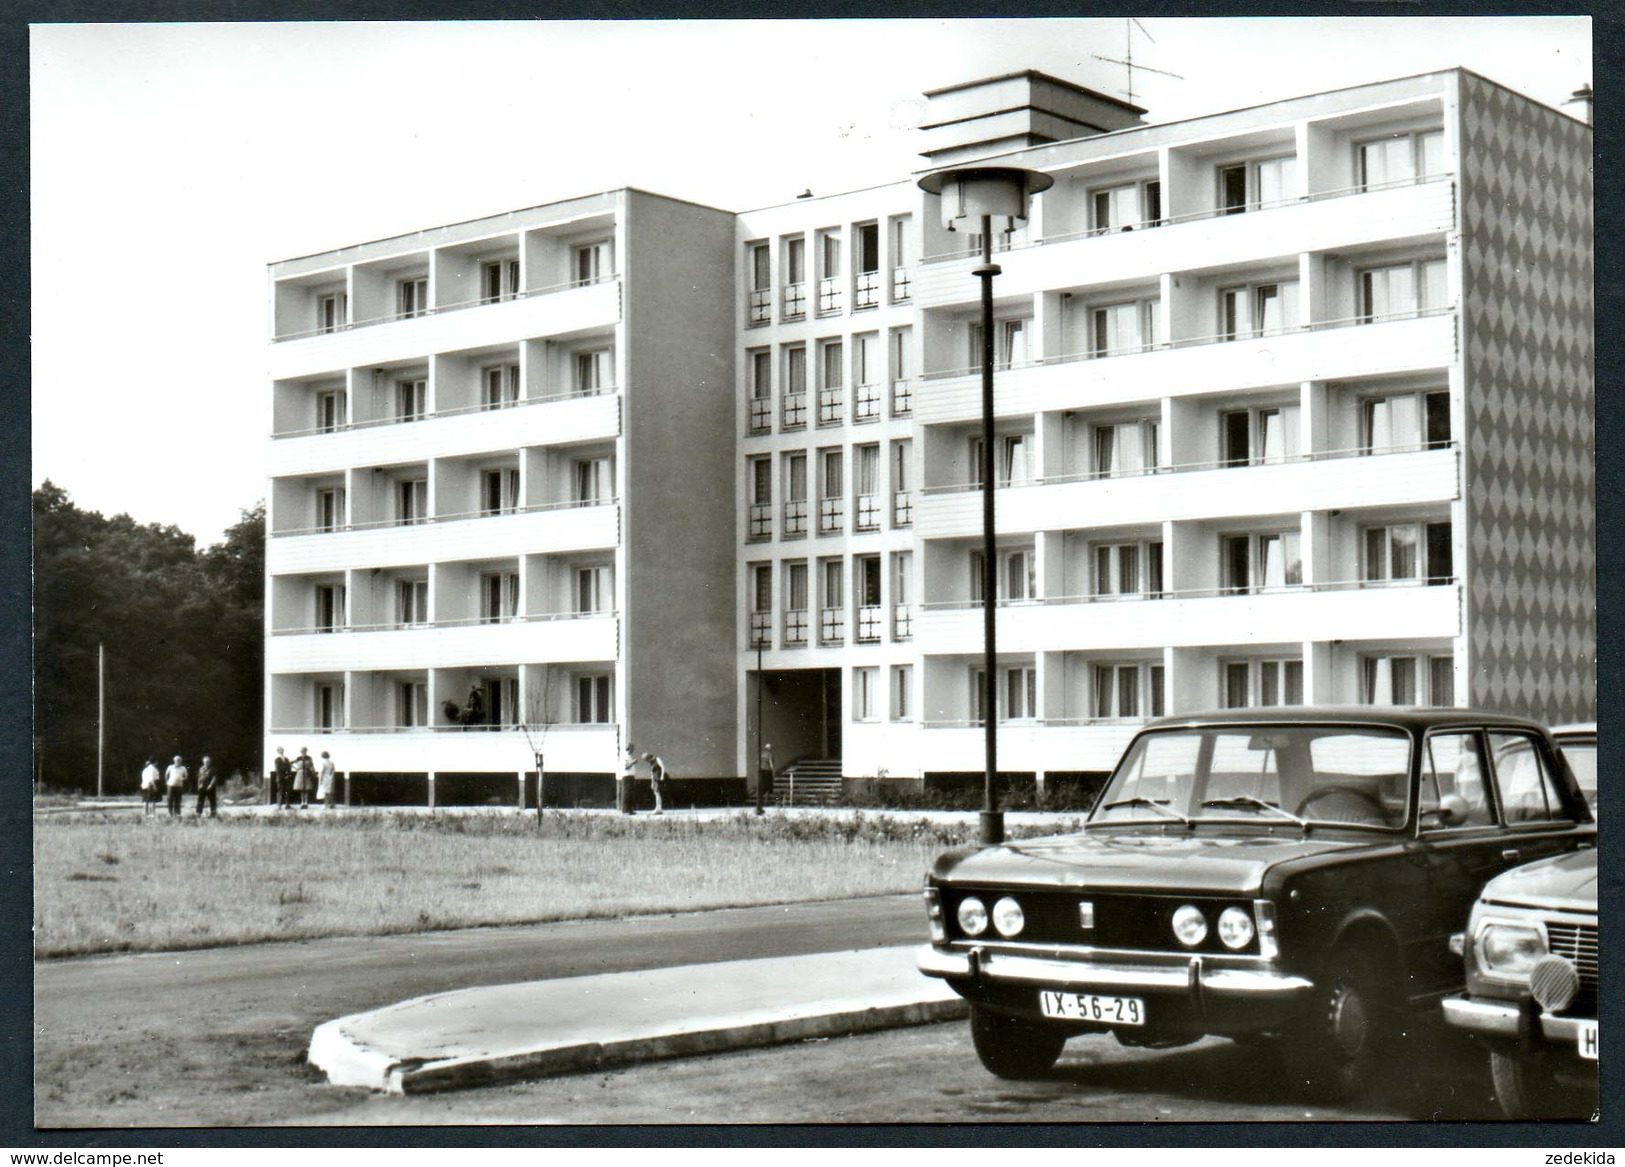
(948, 746)
(452, 328)
(543, 421)
(1331, 221)
(561, 637)
(552, 527)
(1328, 480)
(569, 748)
(1330, 350)
(1324, 612)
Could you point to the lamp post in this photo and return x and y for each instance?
(985, 193)
(760, 638)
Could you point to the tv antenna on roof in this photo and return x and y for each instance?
(1127, 59)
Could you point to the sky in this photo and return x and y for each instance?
(170, 163)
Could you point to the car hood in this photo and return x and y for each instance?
(1567, 882)
(1139, 861)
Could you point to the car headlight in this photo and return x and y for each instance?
(1236, 927)
(1008, 917)
(1509, 950)
(972, 916)
(1190, 925)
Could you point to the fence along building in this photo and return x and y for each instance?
(1294, 407)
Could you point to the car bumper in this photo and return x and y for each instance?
(1236, 998)
(1502, 1019)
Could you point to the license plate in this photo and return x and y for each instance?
(1587, 1041)
(1092, 1007)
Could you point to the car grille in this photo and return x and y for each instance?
(1138, 922)
(1578, 942)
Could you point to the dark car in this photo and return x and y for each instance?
(1579, 745)
(1531, 956)
(1286, 876)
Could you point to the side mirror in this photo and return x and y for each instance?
(1452, 809)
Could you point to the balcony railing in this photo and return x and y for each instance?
(902, 284)
(867, 403)
(832, 405)
(902, 621)
(761, 415)
(795, 301)
(457, 622)
(795, 517)
(902, 508)
(831, 516)
(761, 521)
(870, 621)
(512, 727)
(902, 397)
(761, 630)
(795, 627)
(439, 309)
(1344, 585)
(829, 295)
(866, 290)
(417, 520)
(794, 413)
(867, 507)
(458, 411)
(831, 625)
(760, 309)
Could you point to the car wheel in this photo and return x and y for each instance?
(1527, 1087)
(1012, 1048)
(1333, 1051)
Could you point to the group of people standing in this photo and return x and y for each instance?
(636, 767)
(175, 781)
(300, 778)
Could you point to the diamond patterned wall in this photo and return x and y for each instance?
(1528, 357)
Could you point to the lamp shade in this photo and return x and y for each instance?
(974, 191)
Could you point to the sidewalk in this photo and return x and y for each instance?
(479, 1036)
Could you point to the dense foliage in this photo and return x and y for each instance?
(182, 633)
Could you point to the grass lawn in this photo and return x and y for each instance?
(126, 882)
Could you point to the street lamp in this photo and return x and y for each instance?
(986, 193)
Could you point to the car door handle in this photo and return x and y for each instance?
(1510, 854)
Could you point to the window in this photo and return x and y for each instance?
(499, 386)
(595, 589)
(1122, 208)
(831, 503)
(795, 278)
(865, 694)
(1126, 448)
(866, 277)
(902, 507)
(411, 500)
(592, 262)
(1128, 569)
(1258, 309)
(795, 386)
(1011, 454)
(593, 481)
(1127, 690)
(795, 603)
(1453, 768)
(1407, 553)
(795, 495)
(1400, 158)
(761, 390)
(1131, 327)
(1010, 339)
(1254, 563)
(330, 410)
(412, 296)
(1403, 680)
(412, 704)
(831, 382)
(758, 260)
(329, 706)
(1405, 421)
(867, 376)
(832, 614)
(412, 601)
(902, 592)
(499, 596)
(1247, 186)
(329, 607)
(499, 280)
(1402, 290)
(330, 508)
(902, 258)
(1253, 436)
(902, 692)
(866, 582)
(594, 371)
(759, 519)
(411, 399)
(332, 312)
(829, 271)
(1524, 780)
(902, 385)
(1017, 694)
(866, 487)
(595, 699)
(761, 605)
(1251, 683)
(499, 491)
(502, 701)
(1016, 579)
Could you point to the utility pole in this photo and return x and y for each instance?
(101, 714)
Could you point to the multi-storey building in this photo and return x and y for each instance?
(1293, 406)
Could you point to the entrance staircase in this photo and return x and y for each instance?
(809, 782)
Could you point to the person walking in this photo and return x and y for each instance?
(764, 773)
(627, 786)
(658, 774)
(175, 780)
(304, 777)
(324, 790)
(208, 788)
(151, 783)
(281, 780)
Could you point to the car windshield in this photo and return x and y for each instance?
(1293, 774)
(1582, 757)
